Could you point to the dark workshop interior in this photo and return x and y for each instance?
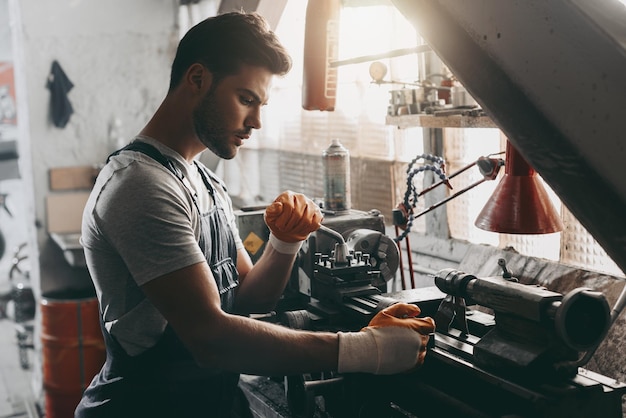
(478, 152)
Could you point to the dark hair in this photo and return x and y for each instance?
(223, 43)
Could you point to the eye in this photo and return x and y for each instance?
(247, 100)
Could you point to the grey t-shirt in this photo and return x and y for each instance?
(140, 223)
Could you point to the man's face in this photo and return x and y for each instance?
(231, 109)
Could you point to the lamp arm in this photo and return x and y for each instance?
(489, 168)
(447, 199)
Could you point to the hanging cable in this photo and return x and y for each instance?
(403, 215)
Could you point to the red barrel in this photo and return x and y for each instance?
(73, 351)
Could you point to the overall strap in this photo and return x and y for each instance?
(206, 174)
(152, 152)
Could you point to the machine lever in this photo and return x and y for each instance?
(341, 247)
(506, 274)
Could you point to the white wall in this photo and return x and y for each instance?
(117, 54)
(5, 35)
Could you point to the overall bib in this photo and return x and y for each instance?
(165, 381)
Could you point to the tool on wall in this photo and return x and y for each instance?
(18, 303)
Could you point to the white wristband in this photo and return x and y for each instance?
(285, 247)
(357, 352)
(384, 350)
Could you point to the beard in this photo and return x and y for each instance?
(207, 122)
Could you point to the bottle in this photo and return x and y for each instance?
(321, 33)
(336, 162)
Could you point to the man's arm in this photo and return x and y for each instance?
(290, 218)
(189, 300)
(262, 285)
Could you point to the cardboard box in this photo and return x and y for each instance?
(64, 211)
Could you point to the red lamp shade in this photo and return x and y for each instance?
(520, 203)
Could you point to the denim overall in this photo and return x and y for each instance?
(165, 381)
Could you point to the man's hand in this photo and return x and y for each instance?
(394, 341)
(405, 315)
(292, 217)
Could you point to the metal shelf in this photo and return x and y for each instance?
(432, 121)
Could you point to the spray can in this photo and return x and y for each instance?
(336, 162)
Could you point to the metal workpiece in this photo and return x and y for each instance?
(453, 282)
(382, 252)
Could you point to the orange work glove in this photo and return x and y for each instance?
(394, 342)
(292, 217)
(405, 315)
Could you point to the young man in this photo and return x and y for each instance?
(171, 274)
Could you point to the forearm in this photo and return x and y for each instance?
(189, 299)
(290, 219)
(389, 345)
(261, 287)
(249, 346)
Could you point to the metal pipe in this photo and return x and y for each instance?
(403, 284)
(410, 259)
(316, 384)
(390, 54)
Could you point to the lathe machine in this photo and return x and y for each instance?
(501, 348)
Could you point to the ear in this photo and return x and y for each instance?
(198, 76)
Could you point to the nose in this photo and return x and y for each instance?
(254, 118)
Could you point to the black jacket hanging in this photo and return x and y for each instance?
(59, 85)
